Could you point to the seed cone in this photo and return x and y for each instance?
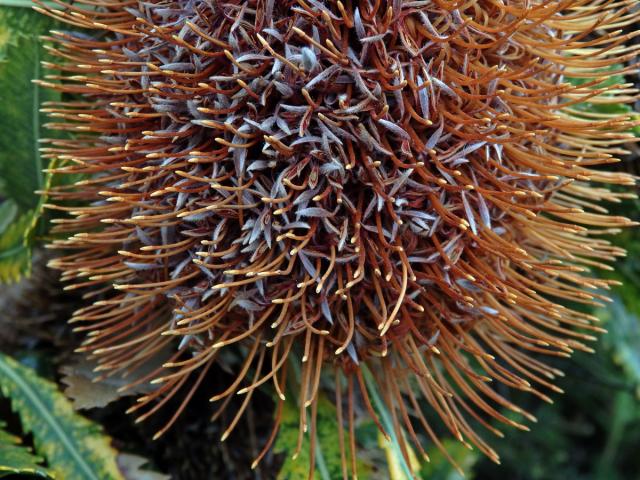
(400, 188)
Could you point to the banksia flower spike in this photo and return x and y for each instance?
(406, 188)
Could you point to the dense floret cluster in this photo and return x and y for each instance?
(404, 188)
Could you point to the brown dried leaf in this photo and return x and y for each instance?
(85, 392)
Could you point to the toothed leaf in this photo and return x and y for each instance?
(17, 459)
(74, 447)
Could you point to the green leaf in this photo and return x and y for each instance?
(25, 3)
(328, 459)
(8, 212)
(74, 447)
(394, 446)
(15, 255)
(623, 339)
(16, 459)
(439, 468)
(16, 23)
(612, 109)
(21, 121)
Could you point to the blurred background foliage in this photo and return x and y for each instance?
(591, 432)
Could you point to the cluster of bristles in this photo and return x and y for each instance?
(398, 186)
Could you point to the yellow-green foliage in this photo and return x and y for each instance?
(15, 253)
(16, 459)
(74, 447)
(22, 126)
(328, 463)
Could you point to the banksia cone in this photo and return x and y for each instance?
(401, 188)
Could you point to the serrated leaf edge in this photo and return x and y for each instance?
(7, 369)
